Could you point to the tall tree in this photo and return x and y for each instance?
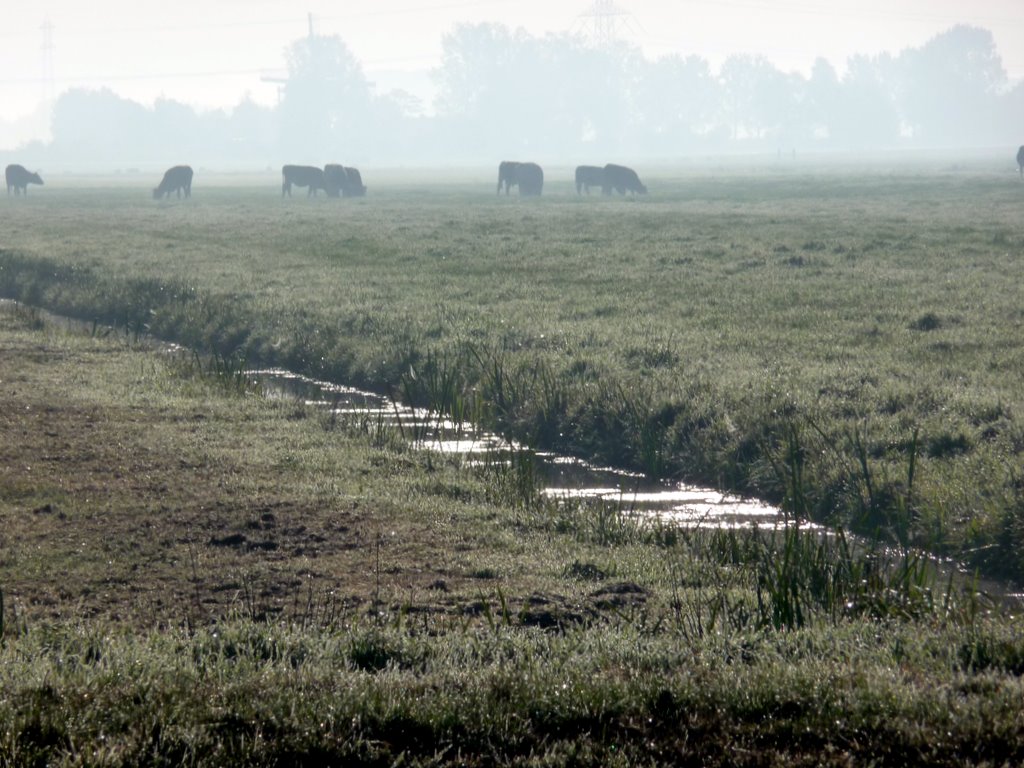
(949, 88)
(326, 105)
(100, 126)
(251, 131)
(866, 116)
(512, 93)
(475, 59)
(676, 100)
(823, 100)
(757, 99)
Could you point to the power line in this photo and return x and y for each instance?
(278, 22)
(147, 76)
(777, 8)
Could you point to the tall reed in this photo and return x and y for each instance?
(803, 569)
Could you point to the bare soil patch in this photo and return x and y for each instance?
(181, 505)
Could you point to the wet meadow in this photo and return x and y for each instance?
(842, 340)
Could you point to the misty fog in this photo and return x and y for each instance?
(558, 98)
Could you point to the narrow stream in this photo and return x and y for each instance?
(561, 476)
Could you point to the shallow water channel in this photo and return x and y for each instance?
(560, 476)
(564, 476)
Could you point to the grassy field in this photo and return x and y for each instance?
(194, 575)
(844, 341)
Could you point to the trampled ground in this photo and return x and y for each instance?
(132, 490)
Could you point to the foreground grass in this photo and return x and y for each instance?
(245, 694)
(844, 344)
(195, 575)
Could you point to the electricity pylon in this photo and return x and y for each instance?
(603, 21)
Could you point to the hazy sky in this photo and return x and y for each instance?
(209, 53)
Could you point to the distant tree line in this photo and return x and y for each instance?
(504, 93)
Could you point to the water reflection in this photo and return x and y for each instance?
(562, 477)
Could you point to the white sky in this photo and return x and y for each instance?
(210, 53)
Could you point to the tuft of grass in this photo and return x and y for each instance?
(229, 372)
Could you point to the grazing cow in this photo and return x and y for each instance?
(507, 174)
(622, 180)
(529, 177)
(19, 178)
(355, 187)
(177, 179)
(1020, 161)
(302, 176)
(588, 176)
(335, 179)
(339, 180)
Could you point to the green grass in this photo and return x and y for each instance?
(242, 694)
(194, 575)
(875, 313)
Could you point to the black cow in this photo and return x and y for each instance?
(588, 176)
(507, 174)
(302, 176)
(1020, 162)
(529, 177)
(622, 180)
(335, 179)
(339, 180)
(19, 178)
(177, 179)
(355, 187)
